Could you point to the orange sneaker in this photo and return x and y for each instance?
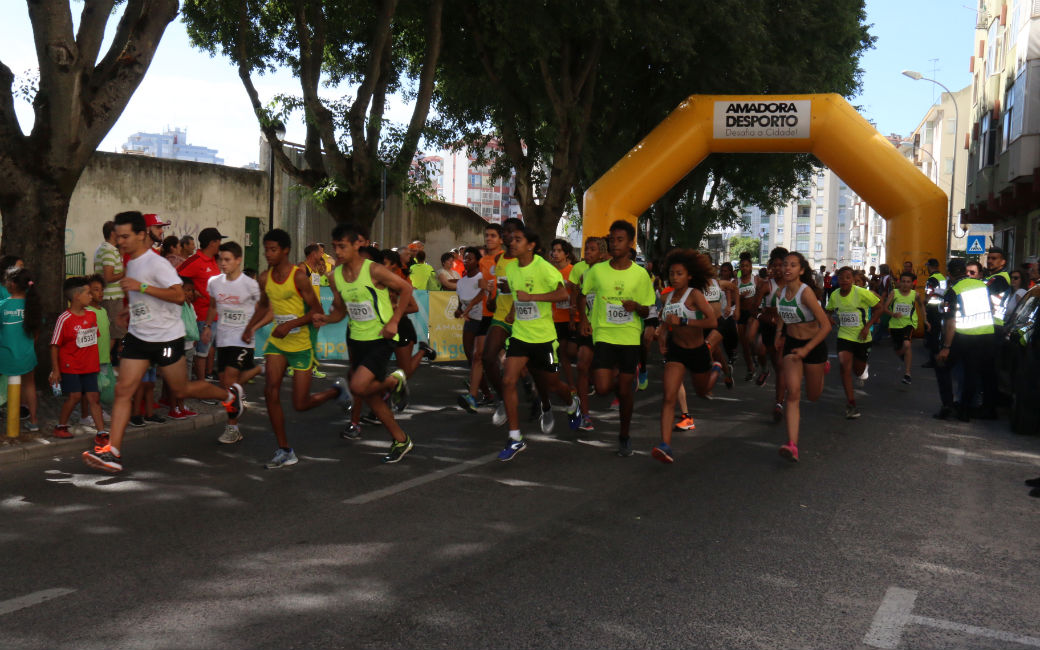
(686, 424)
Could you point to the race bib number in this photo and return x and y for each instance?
(713, 294)
(618, 315)
(653, 312)
(747, 290)
(140, 312)
(903, 309)
(789, 314)
(563, 304)
(316, 279)
(590, 299)
(849, 319)
(361, 311)
(234, 317)
(527, 310)
(86, 337)
(285, 318)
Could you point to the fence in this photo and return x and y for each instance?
(75, 264)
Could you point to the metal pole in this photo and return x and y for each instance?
(270, 190)
(953, 174)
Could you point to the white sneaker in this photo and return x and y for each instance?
(282, 458)
(230, 436)
(547, 421)
(499, 417)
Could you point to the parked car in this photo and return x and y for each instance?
(1020, 363)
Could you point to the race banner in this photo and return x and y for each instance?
(445, 331)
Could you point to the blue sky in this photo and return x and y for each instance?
(186, 88)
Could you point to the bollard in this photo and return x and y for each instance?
(14, 406)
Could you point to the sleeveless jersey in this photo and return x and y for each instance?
(679, 307)
(791, 310)
(287, 306)
(746, 291)
(368, 308)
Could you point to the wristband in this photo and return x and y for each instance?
(683, 320)
(144, 287)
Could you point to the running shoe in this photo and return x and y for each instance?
(750, 375)
(644, 378)
(282, 458)
(100, 441)
(535, 409)
(763, 375)
(727, 371)
(615, 403)
(103, 459)
(586, 423)
(789, 452)
(574, 415)
(399, 395)
(778, 412)
(352, 432)
(486, 400)
(663, 453)
(906, 379)
(317, 374)
(154, 418)
(398, 450)
(235, 405)
(547, 421)
(851, 412)
(62, 431)
(137, 420)
(858, 382)
(230, 436)
(175, 414)
(685, 424)
(467, 402)
(32, 427)
(188, 413)
(512, 448)
(499, 416)
(344, 399)
(370, 418)
(624, 447)
(428, 352)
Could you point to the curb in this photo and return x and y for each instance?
(50, 448)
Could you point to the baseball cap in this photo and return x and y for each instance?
(206, 235)
(154, 220)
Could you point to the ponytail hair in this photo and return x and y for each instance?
(806, 275)
(23, 281)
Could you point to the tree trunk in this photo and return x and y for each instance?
(34, 229)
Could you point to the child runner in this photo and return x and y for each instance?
(905, 307)
(747, 289)
(20, 320)
(361, 289)
(769, 320)
(285, 290)
(156, 335)
(623, 295)
(499, 330)
(802, 343)
(684, 317)
(560, 256)
(595, 252)
(74, 356)
(471, 306)
(852, 310)
(722, 296)
(535, 284)
(233, 300)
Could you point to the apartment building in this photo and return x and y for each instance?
(817, 223)
(171, 143)
(456, 177)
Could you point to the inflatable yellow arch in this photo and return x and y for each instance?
(824, 125)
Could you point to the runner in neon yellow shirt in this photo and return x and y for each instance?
(595, 252)
(852, 310)
(905, 307)
(623, 295)
(535, 285)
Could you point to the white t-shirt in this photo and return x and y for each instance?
(151, 319)
(236, 301)
(467, 289)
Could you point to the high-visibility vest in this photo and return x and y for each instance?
(999, 300)
(935, 297)
(973, 312)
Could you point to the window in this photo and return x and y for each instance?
(819, 247)
(801, 229)
(926, 133)
(947, 165)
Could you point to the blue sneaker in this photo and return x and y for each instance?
(513, 447)
(663, 453)
(644, 379)
(574, 414)
(467, 402)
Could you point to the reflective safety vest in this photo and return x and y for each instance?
(935, 297)
(999, 300)
(973, 312)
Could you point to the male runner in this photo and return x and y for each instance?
(499, 330)
(595, 252)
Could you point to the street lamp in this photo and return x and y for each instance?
(279, 132)
(917, 76)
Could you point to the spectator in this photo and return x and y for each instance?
(457, 264)
(314, 265)
(8, 262)
(448, 276)
(74, 355)
(200, 267)
(108, 263)
(404, 254)
(187, 246)
(155, 226)
(171, 250)
(421, 274)
(329, 262)
(974, 270)
(20, 320)
(1018, 289)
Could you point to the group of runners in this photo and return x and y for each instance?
(557, 330)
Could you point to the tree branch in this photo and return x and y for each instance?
(91, 32)
(370, 144)
(427, 77)
(380, 34)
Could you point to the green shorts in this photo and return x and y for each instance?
(504, 325)
(302, 360)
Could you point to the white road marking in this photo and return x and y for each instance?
(375, 495)
(35, 598)
(955, 457)
(895, 614)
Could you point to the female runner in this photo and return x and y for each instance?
(747, 289)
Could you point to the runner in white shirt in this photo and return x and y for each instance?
(156, 335)
(234, 296)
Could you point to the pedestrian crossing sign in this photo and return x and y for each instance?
(976, 244)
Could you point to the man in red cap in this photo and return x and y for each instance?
(200, 267)
(155, 224)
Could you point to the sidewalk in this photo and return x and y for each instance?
(30, 446)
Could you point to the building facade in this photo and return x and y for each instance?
(817, 223)
(171, 144)
(457, 177)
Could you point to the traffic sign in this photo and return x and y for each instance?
(976, 244)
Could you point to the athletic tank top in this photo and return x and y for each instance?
(713, 292)
(746, 290)
(791, 310)
(287, 306)
(769, 300)
(679, 307)
(367, 307)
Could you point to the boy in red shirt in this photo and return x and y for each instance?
(74, 355)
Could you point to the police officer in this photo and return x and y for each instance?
(998, 282)
(967, 340)
(934, 291)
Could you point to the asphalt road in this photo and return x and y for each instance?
(895, 531)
